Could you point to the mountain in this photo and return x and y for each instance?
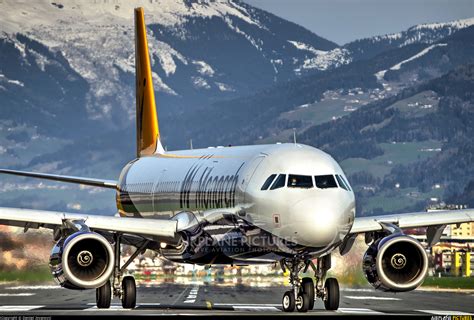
(249, 119)
(67, 77)
(191, 42)
(416, 142)
(426, 33)
(224, 71)
(435, 59)
(37, 82)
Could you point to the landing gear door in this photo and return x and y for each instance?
(249, 173)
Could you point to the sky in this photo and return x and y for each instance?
(342, 21)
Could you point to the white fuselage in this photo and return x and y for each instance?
(229, 180)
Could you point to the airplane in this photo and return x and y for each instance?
(281, 203)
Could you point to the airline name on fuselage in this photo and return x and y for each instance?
(212, 191)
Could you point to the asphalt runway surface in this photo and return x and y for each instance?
(202, 299)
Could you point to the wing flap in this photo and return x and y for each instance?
(413, 220)
(71, 179)
(160, 229)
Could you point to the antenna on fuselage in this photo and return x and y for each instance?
(191, 144)
(294, 135)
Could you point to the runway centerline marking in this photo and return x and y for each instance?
(248, 304)
(19, 308)
(25, 294)
(255, 308)
(112, 307)
(358, 311)
(34, 287)
(357, 290)
(371, 298)
(119, 305)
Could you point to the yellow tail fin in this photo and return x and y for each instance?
(148, 133)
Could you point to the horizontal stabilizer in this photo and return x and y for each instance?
(79, 180)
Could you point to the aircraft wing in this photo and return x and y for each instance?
(413, 220)
(158, 230)
(79, 180)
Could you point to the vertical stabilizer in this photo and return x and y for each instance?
(148, 133)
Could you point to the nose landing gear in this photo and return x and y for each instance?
(331, 294)
(304, 290)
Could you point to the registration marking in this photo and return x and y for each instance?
(191, 298)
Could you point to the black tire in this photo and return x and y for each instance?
(331, 299)
(103, 296)
(129, 293)
(288, 301)
(307, 286)
(302, 302)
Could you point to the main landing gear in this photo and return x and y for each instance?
(122, 287)
(304, 291)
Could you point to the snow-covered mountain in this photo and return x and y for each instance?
(433, 59)
(201, 50)
(67, 76)
(427, 33)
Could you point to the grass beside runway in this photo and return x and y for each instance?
(450, 282)
(36, 275)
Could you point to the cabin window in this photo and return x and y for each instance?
(297, 181)
(279, 182)
(325, 181)
(268, 182)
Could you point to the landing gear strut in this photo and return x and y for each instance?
(122, 287)
(305, 290)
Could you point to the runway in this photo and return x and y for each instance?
(202, 299)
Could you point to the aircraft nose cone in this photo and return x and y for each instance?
(317, 222)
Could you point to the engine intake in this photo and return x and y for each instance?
(395, 263)
(85, 260)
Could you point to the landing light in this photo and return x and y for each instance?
(163, 245)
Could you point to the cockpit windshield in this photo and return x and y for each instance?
(325, 181)
(297, 181)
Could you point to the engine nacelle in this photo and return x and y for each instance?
(84, 260)
(395, 263)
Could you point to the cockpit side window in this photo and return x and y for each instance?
(279, 182)
(297, 181)
(341, 182)
(325, 181)
(268, 182)
(346, 183)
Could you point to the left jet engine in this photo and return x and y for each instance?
(396, 263)
(84, 260)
